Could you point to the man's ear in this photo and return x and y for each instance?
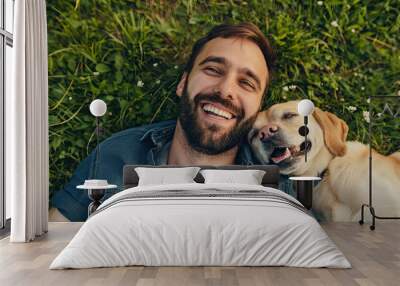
(181, 85)
(335, 131)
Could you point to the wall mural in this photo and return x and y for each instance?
(235, 101)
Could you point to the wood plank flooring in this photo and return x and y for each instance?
(374, 255)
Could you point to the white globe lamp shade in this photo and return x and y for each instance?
(98, 107)
(305, 107)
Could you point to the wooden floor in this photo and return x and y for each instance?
(374, 255)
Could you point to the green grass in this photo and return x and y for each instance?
(106, 49)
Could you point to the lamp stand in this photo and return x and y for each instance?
(97, 146)
(305, 137)
(93, 172)
(369, 205)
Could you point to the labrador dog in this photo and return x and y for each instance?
(344, 187)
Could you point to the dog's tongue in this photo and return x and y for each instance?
(282, 157)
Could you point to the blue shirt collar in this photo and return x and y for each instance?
(161, 136)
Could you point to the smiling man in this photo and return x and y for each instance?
(220, 92)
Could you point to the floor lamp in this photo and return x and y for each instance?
(96, 187)
(305, 185)
(369, 205)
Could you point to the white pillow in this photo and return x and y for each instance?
(162, 176)
(248, 177)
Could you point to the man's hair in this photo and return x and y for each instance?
(247, 31)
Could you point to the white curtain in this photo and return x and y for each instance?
(27, 148)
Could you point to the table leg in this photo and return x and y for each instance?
(95, 195)
(304, 193)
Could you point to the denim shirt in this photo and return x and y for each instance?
(147, 145)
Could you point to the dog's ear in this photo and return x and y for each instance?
(335, 131)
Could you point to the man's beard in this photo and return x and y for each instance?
(201, 140)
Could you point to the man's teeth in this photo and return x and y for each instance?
(217, 111)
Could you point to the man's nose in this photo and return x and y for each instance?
(226, 87)
(268, 131)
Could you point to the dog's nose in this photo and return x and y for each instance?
(268, 131)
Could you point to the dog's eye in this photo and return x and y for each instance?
(289, 115)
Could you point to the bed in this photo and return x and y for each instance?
(201, 224)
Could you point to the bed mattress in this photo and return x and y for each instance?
(201, 225)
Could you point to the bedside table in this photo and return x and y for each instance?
(96, 191)
(304, 189)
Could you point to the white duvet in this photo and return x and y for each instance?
(207, 230)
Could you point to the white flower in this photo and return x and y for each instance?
(379, 114)
(362, 88)
(70, 98)
(155, 64)
(140, 83)
(320, 3)
(335, 24)
(353, 30)
(96, 73)
(368, 100)
(110, 113)
(285, 88)
(158, 81)
(284, 97)
(342, 99)
(292, 87)
(176, 67)
(352, 108)
(366, 116)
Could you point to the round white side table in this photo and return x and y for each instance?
(96, 191)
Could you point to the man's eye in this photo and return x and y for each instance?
(248, 83)
(213, 70)
(289, 115)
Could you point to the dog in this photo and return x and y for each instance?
(344, 187)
